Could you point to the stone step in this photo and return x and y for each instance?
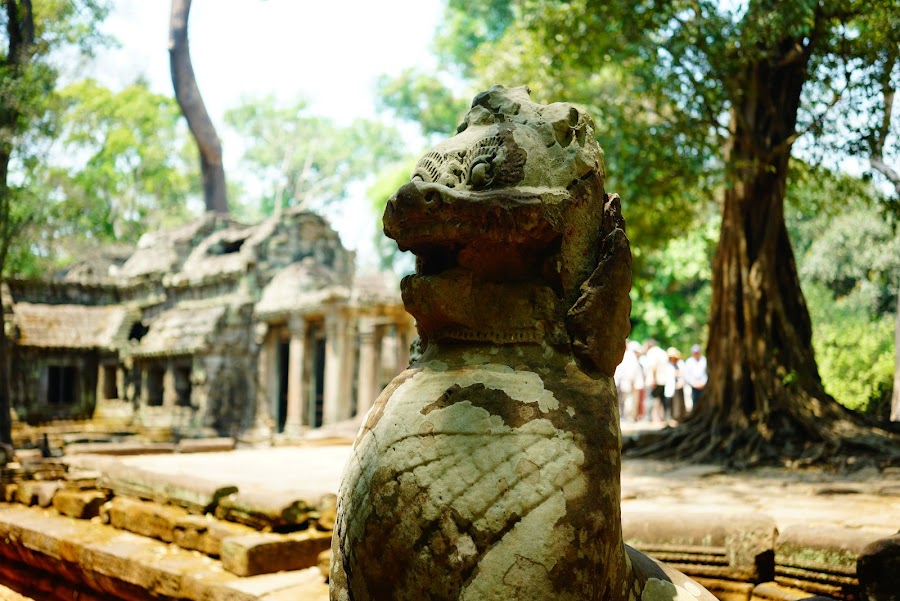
(122, 565)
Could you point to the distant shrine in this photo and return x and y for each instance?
(215, 327)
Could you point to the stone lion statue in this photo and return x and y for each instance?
(489, 470)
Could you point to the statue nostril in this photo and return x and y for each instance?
(432, 197)
(389, 207)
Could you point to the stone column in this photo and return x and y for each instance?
(334, 338)
(348, 367)
(101, 382)
(367, 384)
(404, 339)
(296, 359)
(262, 422)
(169, 394)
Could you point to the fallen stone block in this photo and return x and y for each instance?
(327, 513)
(141, 517)
(727, 590)
(737, 547)
(204, 445)
(9, 492)
(79, 504)
(878, 569)
(325, 563)
(197, 495)
(772, 591)
(119, 448)
(821, 560)
(266, 553)
(81, 479)
(267, 510)
(37, 492)
(205, 533)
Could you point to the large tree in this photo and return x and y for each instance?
(31, 32)
(188, 95)
(731, 89)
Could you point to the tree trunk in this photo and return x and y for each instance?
(895, 399)
(764, 402)
(20, 34)
(188, 95)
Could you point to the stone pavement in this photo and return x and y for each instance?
(865, 499)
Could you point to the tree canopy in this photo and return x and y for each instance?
(301, 159)
(701, 102)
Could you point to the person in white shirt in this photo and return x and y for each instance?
(695, 374)
(656, 368)
(629, 378)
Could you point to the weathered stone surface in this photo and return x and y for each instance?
(205, 533)
(821, 560)
(490, 468)
(119, 448)
(738, 547)
(36, 492)
(266, 510)
(197, 495)
(79, 504)
(878, 569)
(204, 445)
(80, 560)
(725, 590)
(142, 517)
(265, 553)
(772, 591)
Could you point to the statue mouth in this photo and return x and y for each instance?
(498, 233)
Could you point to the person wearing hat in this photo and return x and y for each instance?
(695, 374)
(673, 407)
(629, 378)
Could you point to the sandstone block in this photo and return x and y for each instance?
(80, 504)
(821, 560)
(36, 492)
(736, 547)
(205, 533)
(325, 563)
(204, 445)
(878, 569)
(197, 495)
(772, 591)
(266, 553)
(144, 518)
(267, 510)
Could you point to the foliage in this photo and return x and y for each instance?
(125, 171)
(671, 300)
(28, 76)
(305, 160)
(423, 99)
(854, 349)
(388, 181)
(849, 260)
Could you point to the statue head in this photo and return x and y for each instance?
(509, 221)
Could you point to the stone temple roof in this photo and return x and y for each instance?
(181, 331)
(72, 326)
(163, 251)
(300, 287)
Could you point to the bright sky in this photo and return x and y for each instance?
(330, 53)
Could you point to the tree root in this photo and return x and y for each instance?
(796, 440)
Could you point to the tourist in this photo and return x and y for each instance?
(656, 366)
(629, 378)
(695, 374)
(674, 392)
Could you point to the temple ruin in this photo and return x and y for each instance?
(214, 327)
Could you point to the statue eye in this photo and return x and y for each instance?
(481, 173)
(417, 177)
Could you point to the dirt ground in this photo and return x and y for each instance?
(863, 499)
